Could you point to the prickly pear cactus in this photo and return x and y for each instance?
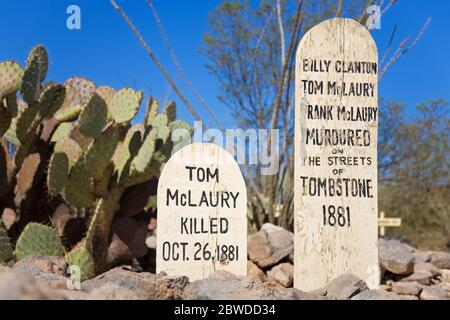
(90, 156)
(81, 258)
(34, 74)
(10, 78)
(38, 239)
(125, 105)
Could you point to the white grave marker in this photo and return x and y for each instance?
(336, 124)
(202, 214)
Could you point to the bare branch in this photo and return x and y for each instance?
(297, 26)
(364, 13)
(389, 6)
(388, 50)
(155, 61)
(180, 69)
(340, 8)
(282, 36)
(403, 49)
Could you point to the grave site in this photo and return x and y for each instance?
(108, 193)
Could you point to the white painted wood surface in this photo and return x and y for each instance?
(323, 251)
(224, 225)
(384, 222)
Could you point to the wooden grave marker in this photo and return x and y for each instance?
(336, 128)
(202, 214)
(384, 223)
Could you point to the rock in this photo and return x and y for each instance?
(423, 266)
(412, 245)
(8, 218)
(406, 288)
(270, 245)
(112, 291)
(72, 294)
(146, 286)
(127, 241)
(440, 260)
(254, 271)
(70, 227)
(36, 264)
(376, 295)
(346, 286)
(396, 257)
(21, 286)
(278, 237)
(151, 242)
(385, 287)
(282, 274)
(258, 247)
(422, 277)
(225, 286)
(50, 270)
(445, 276)
(320, 292)
(421, 256)
(152, 224)
(434, 293)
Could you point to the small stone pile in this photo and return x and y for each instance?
(407, 273)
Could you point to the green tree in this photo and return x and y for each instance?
(414, 162)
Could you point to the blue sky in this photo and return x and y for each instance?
(106, 51)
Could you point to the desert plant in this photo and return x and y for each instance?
(78, 162)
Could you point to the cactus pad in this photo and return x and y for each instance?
(128, 149)
(152, 111)
(24, 149)
(34, 74)
(83, 259)
(100, 152)
(6, 169)
(63, 131)
(181, 134)
(145, 154)
(125, 105)
(38, 239)
(51, 100)
(70, 148)
(81, 90)
(5, 119)
(24, 121)
(79, 186)
(78, 92)
(171, 111)
(10, 78)
(161, 123)
(107, 93)
(39, 53)
(58, 173)
(93, 117)
(11, 104)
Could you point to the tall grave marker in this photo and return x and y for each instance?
(202, 214)
(336, 128)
